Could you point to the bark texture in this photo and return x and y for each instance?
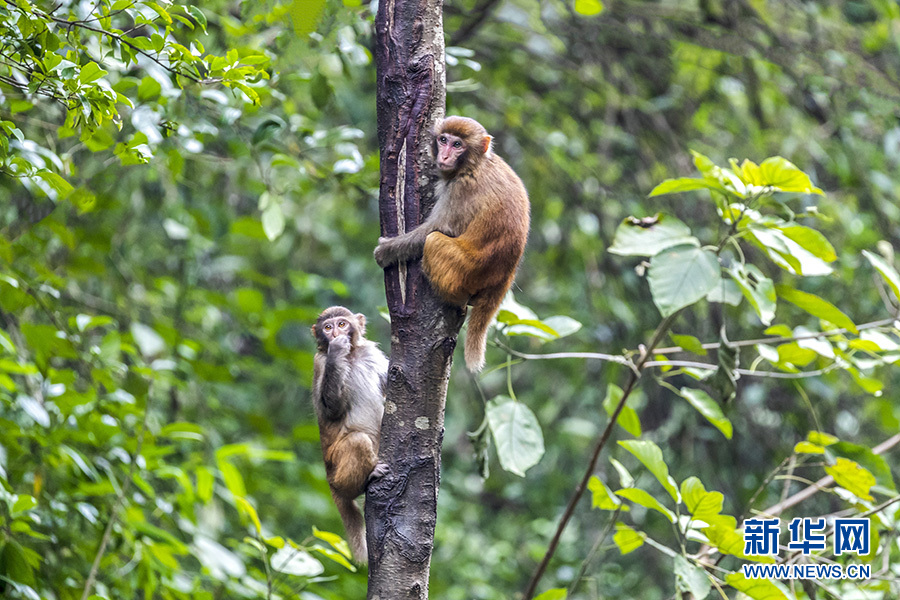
(401, 508)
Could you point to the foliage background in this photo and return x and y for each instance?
(157, 281)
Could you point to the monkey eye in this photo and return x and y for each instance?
(457, 144)
(327, 327)
(443, 139)
(342, 324)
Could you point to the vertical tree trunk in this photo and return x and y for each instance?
(401, 508)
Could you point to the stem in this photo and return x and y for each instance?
(633, 377)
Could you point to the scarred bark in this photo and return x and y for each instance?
(401, 507)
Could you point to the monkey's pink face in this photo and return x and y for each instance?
(333, 328)
(449, 150)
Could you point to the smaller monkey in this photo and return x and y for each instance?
(475, 235)
(349, 378)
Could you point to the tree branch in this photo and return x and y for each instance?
(633, 378)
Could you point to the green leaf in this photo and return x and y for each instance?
(273, 221)
(305, 15)
(321, 90)
(233, 480)
(293, 561)
(691, 579)
(821, 438)
(817, 307)
(852, 477)
(701, 504)
(759, 290)
(810, 240)
(627, 539)
(681, 276)
(22, 504)
(602, 497)
(888, 272)
(644, 499)
(628, 417)
(681, 184)
(555, 593)
(793, 354)
(90, 72)
(786, 253)
(709, 408)
(651, 456)
(808, 448)
(14, 565)
(60, 186)
(688, 343)
(517, 435)
(588, 8)
(562, 325)
(648, 237)
(198, 15)
(245, 508)
(205, 483)
(782, 175)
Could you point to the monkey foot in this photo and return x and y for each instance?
(381, 469)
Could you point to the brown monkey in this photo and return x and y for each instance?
(472, 241)
(349, 376)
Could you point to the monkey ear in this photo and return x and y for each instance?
(486, 145)
(361, 319)
(313, 331)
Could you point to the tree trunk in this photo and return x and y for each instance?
(401, 508)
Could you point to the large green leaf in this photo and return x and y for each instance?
(602, 497)
(782, 175)
(648, 237)
(700, 503)
(644, 499)
(852, 477)
(652, 457)
(681, 276)
(816, 306)
(517, 434)
(786, 253)
(810, 240)
(709, 408)
(627, 539)
(681, 184)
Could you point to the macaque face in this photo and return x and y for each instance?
(450, 150)
(333, 328)
(338, 322)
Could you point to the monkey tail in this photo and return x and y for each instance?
(484, 308)
(355, 526)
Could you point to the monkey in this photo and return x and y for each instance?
(473, 239)
(349, 379)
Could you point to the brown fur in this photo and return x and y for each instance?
(473, 239)
(348, 394)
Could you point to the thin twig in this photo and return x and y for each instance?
(781, 340)
(634, 376)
